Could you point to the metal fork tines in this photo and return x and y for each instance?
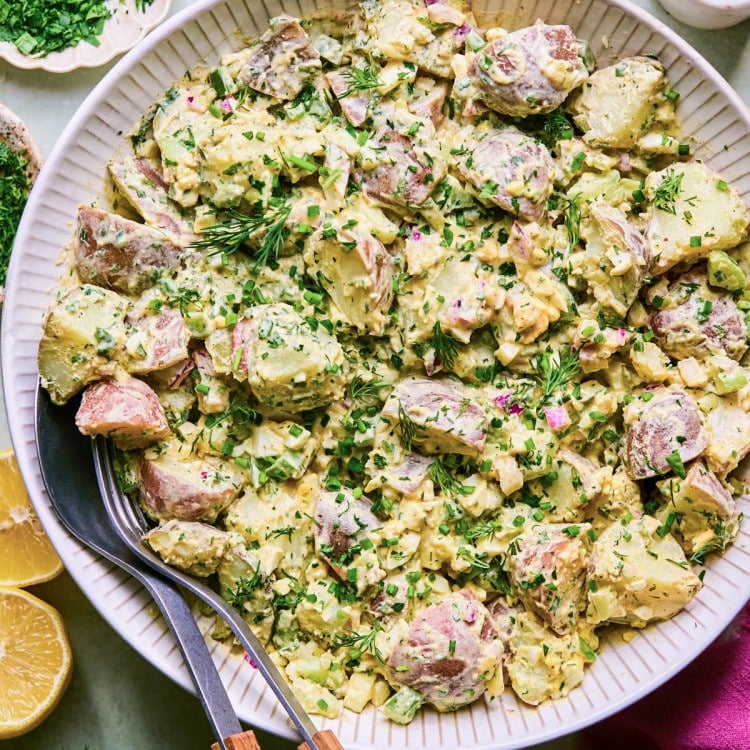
(69, 478)
(131, 525)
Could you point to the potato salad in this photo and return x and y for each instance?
(426, 343)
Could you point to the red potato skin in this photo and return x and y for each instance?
(354, 105)
(126, 410)
(154, 206)
(340, 525)
(168, 341)
(401, 179)
(680, 335)
(670, 415)
(287, 41)
(557, 606)
(510, 156)
(127, 265)
(186, 490)
(430, 105)
(243, 334)
(529, 90)
(441, 413)
(444, 646)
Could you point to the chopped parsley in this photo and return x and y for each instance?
(38, 27)
(14, 189)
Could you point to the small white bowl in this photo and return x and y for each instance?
(123, 30)
(708, 14)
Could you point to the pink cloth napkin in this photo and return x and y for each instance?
(704, 707)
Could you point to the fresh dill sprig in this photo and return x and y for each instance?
(477, 561)
(228, 236)
(365, 390)
(472, 532)
(360, 642)
(361, 79)
(552, 373)
(444, 346)
(286, 531)
(718, 544)
(142, 5)
(406, 426)
(438, 472)
(668, 190)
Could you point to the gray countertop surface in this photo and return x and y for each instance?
(116, 700)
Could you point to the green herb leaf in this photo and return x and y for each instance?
(228, 236)
(552, 372)
(360, 643)
(361, 79)
(444, 346)
(668, 190)
(14, 189)
(38, 27)
(675, 463)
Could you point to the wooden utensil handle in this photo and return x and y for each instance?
(244, 741)
(325, 740)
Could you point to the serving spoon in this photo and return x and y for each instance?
(131, 524)
(72, 488)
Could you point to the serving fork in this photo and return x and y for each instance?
(131, 524)
(73, 492)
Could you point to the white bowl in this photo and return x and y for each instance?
(123, 30)
(712, 114)
(708, 14)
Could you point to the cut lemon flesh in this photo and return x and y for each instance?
(35, 661)
(26, 554)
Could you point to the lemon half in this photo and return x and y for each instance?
(35, 661)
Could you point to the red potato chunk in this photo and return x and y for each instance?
(688, 330)
(443, 419)
(450, 653)
(697, 322)
(157, 342)
(700, 511)
(357, 271)
(664, 429)
(126, 410)
(120, 254)
(188, 489)
(403, 177)
(141, 180)
(196, 548)
(354, 104)
(407, 476)
(510, 169)
(548, 572)
(529, 71)
(282, 60)
(341, 522)
(429, 99)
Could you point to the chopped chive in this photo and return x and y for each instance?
(305, 164)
